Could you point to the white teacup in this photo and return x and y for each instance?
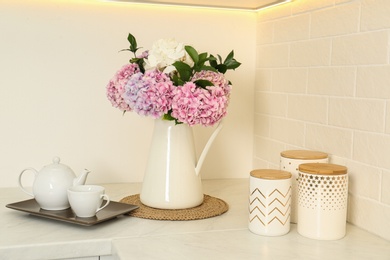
(86, 200)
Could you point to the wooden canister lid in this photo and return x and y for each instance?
(270, 174)
(304, 154)
(323, 168)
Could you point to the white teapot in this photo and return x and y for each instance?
(51, 184)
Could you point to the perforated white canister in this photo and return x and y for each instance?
(290, 161)
(322, 201)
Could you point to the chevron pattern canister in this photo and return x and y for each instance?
(269, 202)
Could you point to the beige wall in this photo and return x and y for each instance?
(56, 58)
(323, 83)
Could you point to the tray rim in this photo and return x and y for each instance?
(80, 221)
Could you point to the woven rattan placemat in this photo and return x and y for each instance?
(210, 207)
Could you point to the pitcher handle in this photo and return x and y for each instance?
(20, 180)
(207, 147)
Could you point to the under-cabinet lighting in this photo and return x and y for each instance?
(207, 4)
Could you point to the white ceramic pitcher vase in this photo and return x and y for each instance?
(172, 179)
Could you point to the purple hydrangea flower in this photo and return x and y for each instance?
(149, 94)
(116, 87)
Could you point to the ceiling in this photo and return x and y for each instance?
(235, 4)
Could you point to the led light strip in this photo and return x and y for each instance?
(194, 5)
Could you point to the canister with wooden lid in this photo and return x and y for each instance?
(269, 202)
(290, 161)
(322, 200)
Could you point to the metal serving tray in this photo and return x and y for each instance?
(113, 210)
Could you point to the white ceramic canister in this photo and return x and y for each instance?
(322, 201)
(290, 161)
(269, 202)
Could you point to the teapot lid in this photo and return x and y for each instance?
(56, 160)
(57, 166)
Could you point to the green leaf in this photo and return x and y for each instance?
(219, 58)
(168, 117)
(125, 50)
(222, 68)
(229, 57)
(213, 61)
(203, 83)
(133, 43)
(203, 57)
(184, 70)
(193, 53)
(209, 68)
(176, 80)
(234, 65)
(230, 62)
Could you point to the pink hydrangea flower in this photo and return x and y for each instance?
(149, 94)
(217, 78)
(116, 86)
(194, 105)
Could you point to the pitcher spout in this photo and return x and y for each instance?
(80, 180)
(207, 147)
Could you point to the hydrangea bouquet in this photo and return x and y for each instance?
(173, 81)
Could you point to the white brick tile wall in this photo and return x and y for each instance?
(332, 140)
(372, 149)
(287, 131)
(387, 120)
(263, 79)
(262, 125)
(308, 108)
(344, 1)
(329, 90)
(310, 5)
(364, 180)
(292, 28)
(272, 55)
(268, 149)
(385, 195)
(271, 103)
(362, 114)
(369, 214)
(361, 49)
(310, 53)
(268, 14)
(261, 164)
(341, 20)
(265, 33)
(289, 80)
(373, 81)
(375, 15)
(332, 81)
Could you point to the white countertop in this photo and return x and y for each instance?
(23, 236)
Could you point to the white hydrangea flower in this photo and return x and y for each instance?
(164, 53)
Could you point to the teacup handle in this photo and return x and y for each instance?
(20, 180)
(104, 196)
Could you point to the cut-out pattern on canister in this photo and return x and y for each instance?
(290, 161)
(323, 196)
(322, 191)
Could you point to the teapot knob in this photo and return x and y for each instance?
(56, 160)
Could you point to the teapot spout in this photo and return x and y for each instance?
(80, 180)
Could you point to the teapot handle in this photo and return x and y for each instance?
(20, 180)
